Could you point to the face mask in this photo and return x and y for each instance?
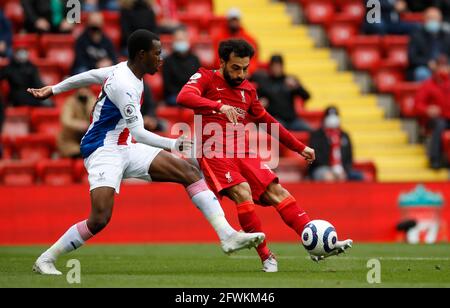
(433, 26)
(332, 121)
(83, 98)
(181, 46)
(21, 56)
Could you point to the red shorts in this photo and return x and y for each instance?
(223, 173)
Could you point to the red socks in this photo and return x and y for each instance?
(250, 223)
(293, 215)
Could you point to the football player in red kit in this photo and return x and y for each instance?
(226, 98)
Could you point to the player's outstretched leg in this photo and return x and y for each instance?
(167, 168)
(102, 201)
(294, 216)
(241, 194)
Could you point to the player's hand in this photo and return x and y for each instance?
(231, 113)
(42, 93)
(309, 154)
(183, 145)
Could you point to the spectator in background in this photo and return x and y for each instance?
(148, 109)
(277, 91)
(426, 45)
(100, 5)
(2, 119)
(234, 30)
(433, 103)
(5, 37)
(178, 67)
(134, 15)
(390, 19)
(43, 16)
(21, 74)
(334, 157)
(93, 49)
(75, 120)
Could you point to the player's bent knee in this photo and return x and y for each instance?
(98, 221)
(191, 174)
(240, 193)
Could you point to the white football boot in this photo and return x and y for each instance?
(45, 267)
(341, 247)
(241, 240)
(270, 265)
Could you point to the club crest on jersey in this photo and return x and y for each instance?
(229, 177)
(243, 96)
(129, 110)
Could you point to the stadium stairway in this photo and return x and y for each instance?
(374, 137)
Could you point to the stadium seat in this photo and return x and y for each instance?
(49, 41)
(7, 147)
(353, 9)
(35, 147)
(386, 79)
(26, 40)
(114, 33)
(18, 173)
(365, 52)
(80, 174)
(368, 169)
(405, 93)
(195, 8)
(340, 34)
(446, 144)
(13, 10)
(46, 121)
(206, 53)
(302, 137)
(319, 12)
(314, 118)
(55, 172)
(412, 17)
(155, 82)
(63, 57)
(291, 169)
(175, 114)
(396, 50)
(17, 121)
(50, 77)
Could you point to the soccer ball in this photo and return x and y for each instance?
(319, 237)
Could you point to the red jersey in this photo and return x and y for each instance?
(207, 91)
(434, 92)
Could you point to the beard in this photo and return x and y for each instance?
(232, 82)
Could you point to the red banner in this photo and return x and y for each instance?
(164, 213)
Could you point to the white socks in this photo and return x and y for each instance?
(74, 238)
(209, 205)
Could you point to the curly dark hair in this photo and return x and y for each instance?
(240, 48)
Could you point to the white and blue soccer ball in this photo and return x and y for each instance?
(319, 237)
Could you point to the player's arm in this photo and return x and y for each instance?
(96, 76)
(129, 107)
(284, 136)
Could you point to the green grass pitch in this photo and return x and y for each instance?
(204, 265)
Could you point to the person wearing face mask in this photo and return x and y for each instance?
(426, 45)
(234, 30)
(20, 75)
(433, 103)
(178, 67)
(75, 120)
(334, 155)
(93, 49)
(277, 91)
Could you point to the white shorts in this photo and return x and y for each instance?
(107, 166)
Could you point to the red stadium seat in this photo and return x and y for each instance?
(26, 40)
(353, 8)
(46, 121)
(155, 82)
(301, 136)
(13, 11)
(35, 147)
(63, 57)
(314, 118)
(320, 12)
(365, 52)
(55, 172)
(368, 169)
(340, 34)
(396, 50)
(50, 77)
(175, 114)
(292, 169)
(413, 17)
(114, 33)
(386, 79)
(18, 173)
(111, 18)
(195, 9)
(405, 93)
(206, 53)
(49, 41)
(446, 144)
(17, 121)
(80, 174)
